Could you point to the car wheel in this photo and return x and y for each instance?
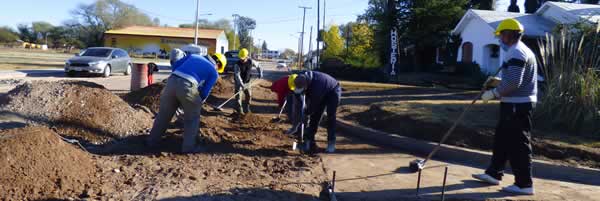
(106, 71)
(70, 73)
(128, 70)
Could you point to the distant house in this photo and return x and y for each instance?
(479, 44)
(148, 40)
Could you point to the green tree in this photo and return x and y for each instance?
(231, 37)
(426, 30)
(513, 7)
(532, 5)
(264, 46)
(244, 26)
(96, 18)
(26, 33)
(334, 44)
(288, 53)
(8, 35)
(359, 50)
(41, 30)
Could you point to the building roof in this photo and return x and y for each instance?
(534, 25)
(590, 12)
(167, 32)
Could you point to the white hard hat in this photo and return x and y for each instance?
(176, 55)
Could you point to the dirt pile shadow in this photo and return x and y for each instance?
(37, 164)
(77, 109)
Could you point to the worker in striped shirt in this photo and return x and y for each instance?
(517, 92)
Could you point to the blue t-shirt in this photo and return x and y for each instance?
(201, 70)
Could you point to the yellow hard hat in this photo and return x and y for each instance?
(220, 58)
(243, 53)
(291, 83)
(509, 24)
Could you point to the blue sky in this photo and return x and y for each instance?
(278, 21)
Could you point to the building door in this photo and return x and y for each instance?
(467, 52)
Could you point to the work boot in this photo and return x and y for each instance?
(486, 179)
(330, 147)
(309, 147)
(517, 190)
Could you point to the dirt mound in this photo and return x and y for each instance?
(150, 96)
(223, 87)
(37, 164)
(79, 109)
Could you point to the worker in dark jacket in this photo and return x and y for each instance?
(322, 92)
(242, 75)
(518, 94)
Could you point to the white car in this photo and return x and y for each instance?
(281, 64)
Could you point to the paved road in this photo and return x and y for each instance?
(117, 83)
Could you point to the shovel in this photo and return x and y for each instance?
(278, 118)
(419, 164)
(220, 107)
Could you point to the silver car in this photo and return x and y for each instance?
(99, 60)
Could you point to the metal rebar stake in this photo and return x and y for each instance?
(444, 183)
(419, 183)
(333, 182)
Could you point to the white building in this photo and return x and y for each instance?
(480, 45)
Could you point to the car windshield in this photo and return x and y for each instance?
(281, 62)
(96, 53)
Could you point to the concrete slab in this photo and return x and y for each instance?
(366, 172)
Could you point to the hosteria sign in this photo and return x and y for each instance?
(394, 52)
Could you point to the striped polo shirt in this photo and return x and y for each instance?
(519, 76)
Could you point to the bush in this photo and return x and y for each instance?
(571, 101)
(338, 69)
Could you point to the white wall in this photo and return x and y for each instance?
(480, 34)
(222, 42)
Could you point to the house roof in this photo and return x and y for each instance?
(167, 32)
(535, 25)
(590, 12)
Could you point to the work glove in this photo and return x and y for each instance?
(491, 82)
(487, 95)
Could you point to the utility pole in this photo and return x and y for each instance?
(196, 22)
(302, 36)
(318, 30)
(310, 53)
(324, 12)
(235, 16)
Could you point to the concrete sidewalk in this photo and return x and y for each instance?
(370, 172)
(13, 74)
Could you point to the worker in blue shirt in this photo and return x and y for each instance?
(188, 87)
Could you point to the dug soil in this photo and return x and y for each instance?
(37, 164)
(78, 109)
(243, 157)
(464, 136)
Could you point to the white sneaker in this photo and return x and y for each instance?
(486, 178)
(330, 147)
(516, 190)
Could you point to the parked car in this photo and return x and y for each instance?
(281, 64)
(99, 60)
(232, 59)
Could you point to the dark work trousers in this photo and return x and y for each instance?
(512, 143)
(331, 102)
